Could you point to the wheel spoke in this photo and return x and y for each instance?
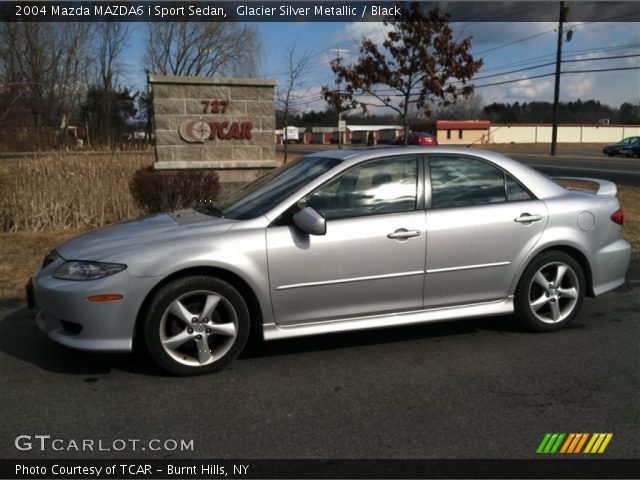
(204, 354)
(539, 302)
(561, 270)
(542, 281)
(209, 306)
(226, 329)
(180, 311)
(568, 292)
(555, 311)
(177, 340)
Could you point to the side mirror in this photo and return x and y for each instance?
(310, 221)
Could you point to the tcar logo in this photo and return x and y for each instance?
(197, 131)
(574, 443)
(194, 131)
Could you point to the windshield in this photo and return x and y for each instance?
(263, 194)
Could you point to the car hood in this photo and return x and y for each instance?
(126, 237)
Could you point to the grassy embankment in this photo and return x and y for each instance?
(47, 200)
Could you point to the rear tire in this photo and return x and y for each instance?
(550, 292)
(196, 325)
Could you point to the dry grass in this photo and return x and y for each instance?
(22, 252)
(59, 192)
(630, 200)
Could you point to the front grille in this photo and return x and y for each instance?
(71, 327)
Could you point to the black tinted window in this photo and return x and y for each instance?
(460, 181)
(263, 194)
(514, 191)
(388, 185)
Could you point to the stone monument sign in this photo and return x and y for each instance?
(225, 124)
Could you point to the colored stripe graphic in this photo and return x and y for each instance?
(550, 443)
(583, 439)
(574, 443)
(543, 443)
(567, 443)
(598, 442)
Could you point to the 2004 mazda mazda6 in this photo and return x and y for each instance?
(337, 241)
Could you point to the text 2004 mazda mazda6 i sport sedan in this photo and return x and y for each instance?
(337, 241)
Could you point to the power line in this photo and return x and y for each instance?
(509, 72)
(528, 78)
(553, 73)
(602, 70)
(385, 90)
(525, 39)
(306, 102)
(600, 58)
(531, 37)
(551, 63)
(569, 53)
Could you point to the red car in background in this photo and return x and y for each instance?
(417, 138)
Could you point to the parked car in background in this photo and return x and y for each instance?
(633, 150)
(627, 147)
(337, 241)
(417, 138)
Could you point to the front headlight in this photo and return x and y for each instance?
(78, 270)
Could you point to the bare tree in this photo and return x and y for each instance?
(296, 68)
(418, 63)
(45, 64)
(202, 49)
(111, 40)
(469, 108)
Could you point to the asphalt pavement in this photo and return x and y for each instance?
(468, 389)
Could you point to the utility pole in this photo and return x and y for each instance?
(556, 93)
(149, 106)
(339, 102)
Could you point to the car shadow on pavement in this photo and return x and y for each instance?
(22, 339)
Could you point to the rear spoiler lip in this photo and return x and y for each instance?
(605, 187)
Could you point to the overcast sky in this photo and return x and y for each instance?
(502, 46)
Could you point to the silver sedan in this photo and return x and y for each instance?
(337, 241)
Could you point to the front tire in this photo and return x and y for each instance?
(196, 325)
(550, 292)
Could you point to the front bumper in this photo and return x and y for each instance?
(611, 151)
(68, 318)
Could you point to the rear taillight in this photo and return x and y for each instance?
(618, 216)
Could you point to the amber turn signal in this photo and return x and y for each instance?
(105, 298)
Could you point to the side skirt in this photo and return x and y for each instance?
(272, 331)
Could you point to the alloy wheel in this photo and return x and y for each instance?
(554, 292)
(198, 328)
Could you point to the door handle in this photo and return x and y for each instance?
(403, 234)
(527, 218)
